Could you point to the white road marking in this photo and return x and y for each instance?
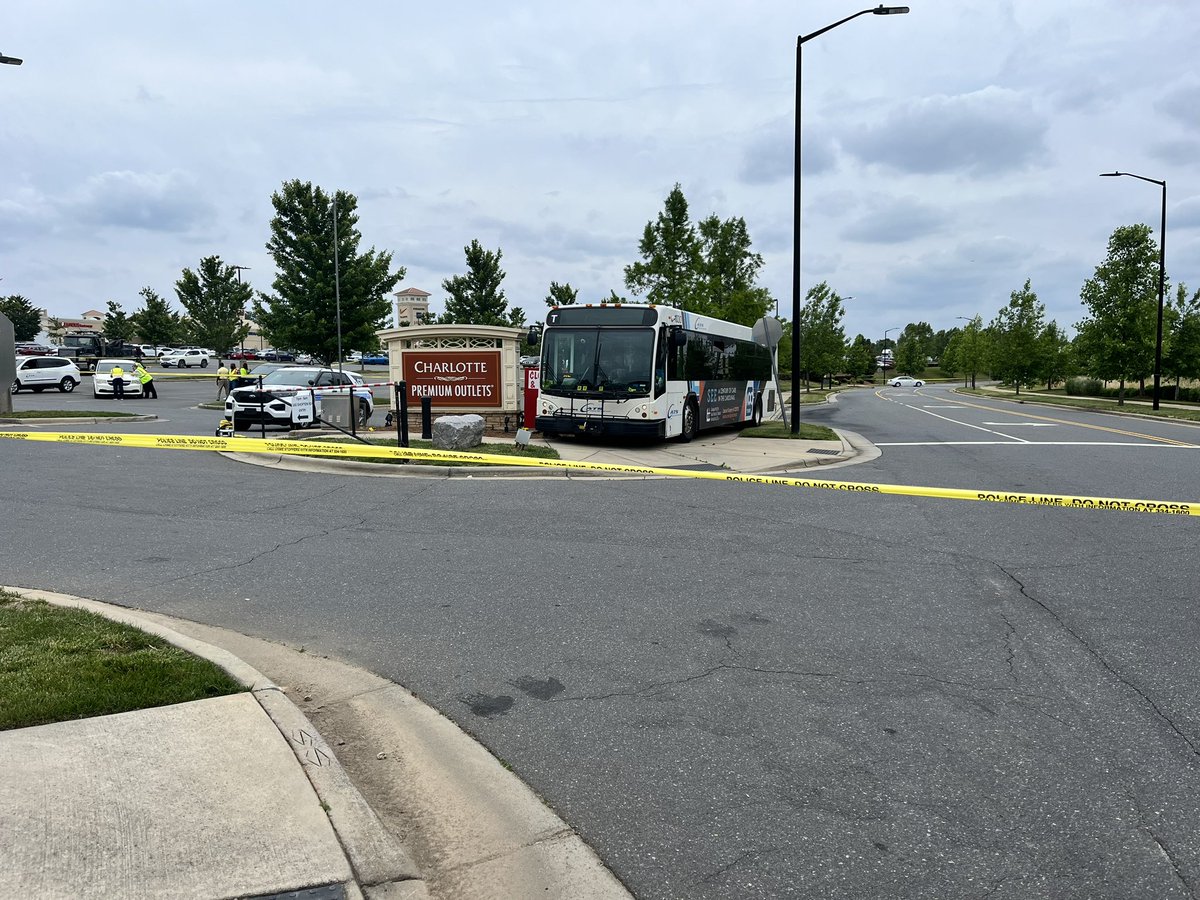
(1011, 437)
(1037, 444)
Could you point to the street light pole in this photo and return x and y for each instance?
(337, 286)
(800, 41)
(1162, 275)
(10, 60)
(886, 332)
(239, 270)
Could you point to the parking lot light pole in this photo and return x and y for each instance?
(800, 41)
(886, 332)
(239, 269)
(1162, 274)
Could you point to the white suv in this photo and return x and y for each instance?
(40, 372)
(185, 359)
(272, 405)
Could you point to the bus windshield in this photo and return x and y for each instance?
(598, 360)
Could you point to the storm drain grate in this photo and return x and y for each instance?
(325, 892)
(824, 452)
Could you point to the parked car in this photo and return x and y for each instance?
(530, 361)
(374, 359)
(40, 372)
(185, 359)
(278, 356)
(102, 379)
(28, 348)
(906, 381)
(249, 406)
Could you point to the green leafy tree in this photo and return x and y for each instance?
(302, 311)
(913, 348)
(155, 321)
(972, 351)
(822, 338)
(476, 298)
(1118, 337)
(1055, 354)
(117, 325)
(562, 295)
(948, 363)
(55, 328)
(860, 358)
(671, 258)
(1181, 358)
(215, 301)
(1016, 349)
(25, 317)
(728, 272)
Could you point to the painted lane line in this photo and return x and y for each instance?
(1133, 444)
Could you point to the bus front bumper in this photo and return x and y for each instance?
(615, 427)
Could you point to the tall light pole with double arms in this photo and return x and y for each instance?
(800, 41)
(1162, 274)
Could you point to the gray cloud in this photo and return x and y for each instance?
(1181, 104)
(768, 157)
(992, 130)
(150, 201)
(1185, 214)
(894, 220)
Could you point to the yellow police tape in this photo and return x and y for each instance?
(349, 451)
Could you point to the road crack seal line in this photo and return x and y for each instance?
(1163, 848)
(793, 673)
(1010, 653)
(1107, 666)
(256, 556)
(736, 861)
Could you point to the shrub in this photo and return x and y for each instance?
(1081, 386)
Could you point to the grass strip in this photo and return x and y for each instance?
(66, 414)
(60, 663)
(776, 429)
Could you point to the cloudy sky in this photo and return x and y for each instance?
(948, 154)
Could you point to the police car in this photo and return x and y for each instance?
(271, 404)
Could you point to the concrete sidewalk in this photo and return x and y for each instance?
(242, 796)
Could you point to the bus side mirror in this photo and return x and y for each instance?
(535, 333)
(678, 338)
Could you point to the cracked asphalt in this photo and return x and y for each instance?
(727, 690)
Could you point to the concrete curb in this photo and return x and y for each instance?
(381, 865)
(1115, 411)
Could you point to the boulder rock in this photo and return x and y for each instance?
(457, 432)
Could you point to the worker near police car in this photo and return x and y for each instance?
(147, 380)
(117, 376)
(222, 381)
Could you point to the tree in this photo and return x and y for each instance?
(25, 317)
(671, 254)
(973, 349)
(1181, 358)
(156, 323)
(1015, 356)
(822, 338)
(860, 358)
(948, 362)
(55, 328)
(477, 298)
(561, 295)
(728, 272)
(117, 325)
(215, 302)
(302, 313)
(913, 348)
(1117, 339)
(1055, 354)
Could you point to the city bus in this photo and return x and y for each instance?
(637, 370)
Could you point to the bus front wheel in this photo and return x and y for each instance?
(691, 422)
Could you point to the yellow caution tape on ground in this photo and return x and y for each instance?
(351, 451)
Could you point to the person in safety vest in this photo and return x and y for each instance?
(117, 374)
(243, 375)
(147, 380)
(222, 381)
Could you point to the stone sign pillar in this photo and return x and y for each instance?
(460, 368)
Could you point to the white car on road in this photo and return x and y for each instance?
(40, 372)
(185, 359)
(906, 381)
(102, 379)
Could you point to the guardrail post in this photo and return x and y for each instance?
(426, 418)
(402, 412)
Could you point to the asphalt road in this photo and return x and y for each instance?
(731, 690)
